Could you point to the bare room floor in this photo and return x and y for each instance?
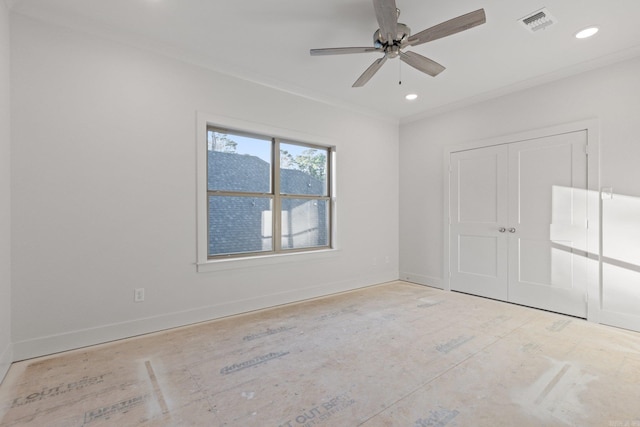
(391, 355)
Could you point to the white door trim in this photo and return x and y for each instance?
(592, 126)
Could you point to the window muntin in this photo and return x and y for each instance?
(245, 210)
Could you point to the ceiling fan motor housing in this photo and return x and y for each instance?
(403, 33)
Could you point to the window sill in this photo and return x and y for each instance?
(262, 260)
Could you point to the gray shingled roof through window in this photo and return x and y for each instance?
(243, 224)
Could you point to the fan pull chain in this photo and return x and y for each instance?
(399, 73)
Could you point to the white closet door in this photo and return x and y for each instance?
(478, 262)
(547, 223)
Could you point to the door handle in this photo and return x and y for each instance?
(512, 230)
(502, 229)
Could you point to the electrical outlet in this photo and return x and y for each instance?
(138, 295)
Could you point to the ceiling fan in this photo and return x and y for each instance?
(394, 36)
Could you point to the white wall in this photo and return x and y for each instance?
(104, 192)
(5, 196)
(611, 94)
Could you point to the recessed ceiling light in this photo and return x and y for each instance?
(587, 32)
(411, 97)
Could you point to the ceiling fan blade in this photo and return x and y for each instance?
(343, 50)
(448, 28)
(387, 16)
(369, 72)
(421, 63)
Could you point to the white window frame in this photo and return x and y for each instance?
(203, 262)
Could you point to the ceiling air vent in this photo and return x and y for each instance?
(538, 20)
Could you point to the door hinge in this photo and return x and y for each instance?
(586, 149)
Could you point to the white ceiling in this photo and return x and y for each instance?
(268, 41)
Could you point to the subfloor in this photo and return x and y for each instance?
(391, 355)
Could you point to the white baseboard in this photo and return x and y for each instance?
(421, 279)
(46, 345)
(6, 358)
(620, 320)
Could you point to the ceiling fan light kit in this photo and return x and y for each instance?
(393, 36)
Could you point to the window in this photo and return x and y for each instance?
(266, 195)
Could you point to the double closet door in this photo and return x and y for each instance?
(518, 222)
